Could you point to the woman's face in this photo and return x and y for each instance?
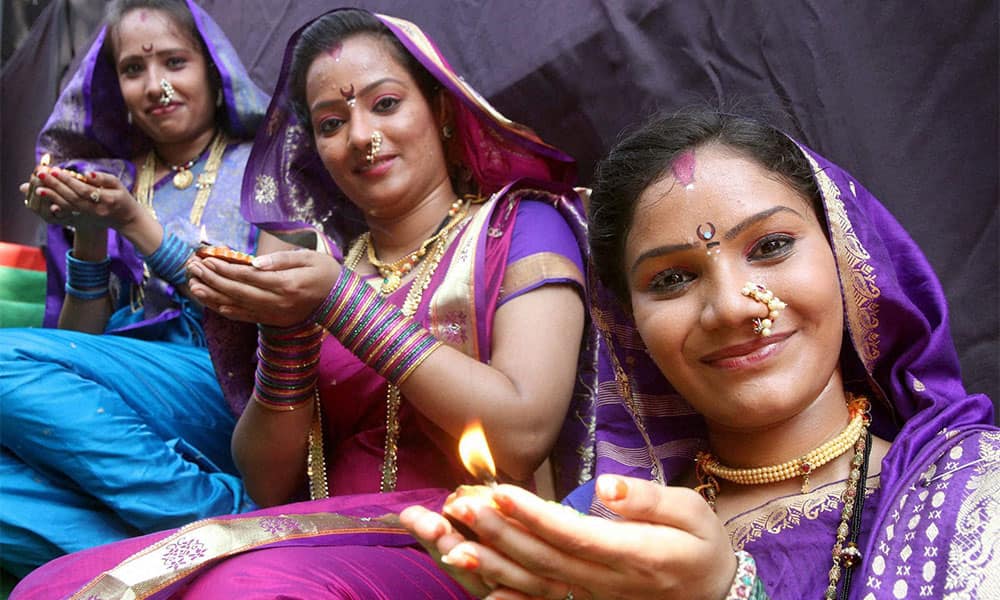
(715, 222)
(354, 89)
(150, 47)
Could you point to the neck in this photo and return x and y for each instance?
(786, 440)
(397, 236)
(178, 153)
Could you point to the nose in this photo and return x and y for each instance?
(724, 306)
(359, 132)
(152, 84)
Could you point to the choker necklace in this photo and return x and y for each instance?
(709, 466)
(394, 272)
(845, 548)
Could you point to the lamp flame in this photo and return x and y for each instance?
(475, 453)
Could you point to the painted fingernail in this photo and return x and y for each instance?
(54, 172)
(463, 557)
(504, 502)
(93, 175)
(41, 193)
(41, 176)
(611, 488)
(462, 512)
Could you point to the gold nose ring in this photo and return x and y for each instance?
(374, 147)
(756, 291)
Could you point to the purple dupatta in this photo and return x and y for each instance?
(89, 130)
(898, 349)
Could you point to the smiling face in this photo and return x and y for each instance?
(355, 89)
(692, 247)
(148, 48)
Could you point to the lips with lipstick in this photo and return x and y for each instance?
(747, 354)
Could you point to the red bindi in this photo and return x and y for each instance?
(683, 168)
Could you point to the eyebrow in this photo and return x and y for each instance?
(364, 90)
(132, 57)
(729, 235)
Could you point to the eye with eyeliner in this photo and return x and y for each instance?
(385, 104)
(329, 125)
(773, 246)
(670, 281)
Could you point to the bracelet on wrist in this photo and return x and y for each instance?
(286, 366)
(87, 280)
(746, 585)
(169, 260)
(375, 330)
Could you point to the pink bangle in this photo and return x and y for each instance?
(286, 366)
(373, 329)
(745, 583)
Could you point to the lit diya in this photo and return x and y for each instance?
(207, 250)
(475, 454)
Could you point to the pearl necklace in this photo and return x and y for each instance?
(797, 467)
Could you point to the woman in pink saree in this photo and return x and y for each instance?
(458, 296)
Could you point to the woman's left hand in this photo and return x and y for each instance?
(669, 545)
(281, 289)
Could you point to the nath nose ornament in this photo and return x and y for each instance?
(167, 96)
(756, 291)
(373, 149)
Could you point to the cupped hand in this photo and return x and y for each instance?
(101, 201)
(669, 544)
(280, 289)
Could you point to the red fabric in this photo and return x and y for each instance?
(21, 257)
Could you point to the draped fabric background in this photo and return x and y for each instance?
(902, 94)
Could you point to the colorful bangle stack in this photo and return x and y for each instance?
(746, 584)
(169, 260)
(286, 367)
(87, 280)
(373, 329)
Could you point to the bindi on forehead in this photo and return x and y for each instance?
(683, 168)
(335, 51)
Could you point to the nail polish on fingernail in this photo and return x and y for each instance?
(462, 557)
(41, 176)
(462, 512)
(41, 193)
(612, 488)
(93, 175)
(503, 502)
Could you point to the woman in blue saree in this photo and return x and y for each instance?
(114, 424)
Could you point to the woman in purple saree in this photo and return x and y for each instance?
(750, 293)
(460, 297)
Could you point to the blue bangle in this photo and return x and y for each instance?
(169, 260)
(84, 274)
(86, 294)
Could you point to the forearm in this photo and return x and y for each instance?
(270, 448)
(87, 305)
(521, 396)
(271, 440)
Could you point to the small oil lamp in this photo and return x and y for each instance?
(475, 454)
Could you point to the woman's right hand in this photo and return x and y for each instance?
(280, 289)
(102, 201)
(669, 545)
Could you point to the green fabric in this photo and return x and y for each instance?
(22, 297)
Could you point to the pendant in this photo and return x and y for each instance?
(390, 283)
(183, 179)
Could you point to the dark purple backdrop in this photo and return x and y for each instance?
(903, 94)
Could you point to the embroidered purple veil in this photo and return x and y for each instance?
(89, 130)
(897, 348)
(287, 189)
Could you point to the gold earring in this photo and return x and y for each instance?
(447, 131)
(762, 326)
(373, 149)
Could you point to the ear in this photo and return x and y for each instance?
(443, 109)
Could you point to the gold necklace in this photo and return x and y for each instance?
(393, 398)
(797, 467)
(393, 273)
(147, 180)
(845, 549)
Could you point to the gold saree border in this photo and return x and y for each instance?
(157, 566)
(786, 513)
(533, 269)
(857, 275)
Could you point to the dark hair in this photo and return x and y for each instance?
(177, 10)
(179, 13)
(643, 156)
(335, 27)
